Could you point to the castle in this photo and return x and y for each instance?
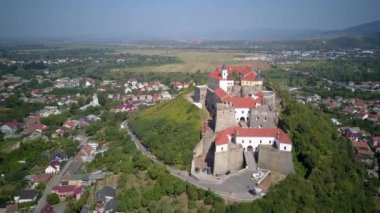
(244, 121)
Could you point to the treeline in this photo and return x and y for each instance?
(326, 179)
(344, 69)
(170, 130)
(15, 165)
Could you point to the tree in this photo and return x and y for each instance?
(52, 199)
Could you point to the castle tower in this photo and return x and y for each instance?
(224, 116)
(224, 73)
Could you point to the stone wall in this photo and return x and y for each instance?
(200, 93)
(276, 160)
(250, 90)
(269, 99)
(234, 91)
(225, 116)
(262, 117)
(231, 160)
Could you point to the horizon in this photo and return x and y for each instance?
(170, 20)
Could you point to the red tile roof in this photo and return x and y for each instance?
(220, 93)
(251, 76)
(222, 136)
(78, 190)
(11, 124)
(360, 145)
(216, 74)
(245, 71)
(242, 102)
(86, 149)
(55, 164)
(64, 189)
(38, 127)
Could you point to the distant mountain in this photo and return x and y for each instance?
(278, 34)
(367, 29)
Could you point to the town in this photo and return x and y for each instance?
(64, 174)
(189, 106)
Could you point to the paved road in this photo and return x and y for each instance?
(55, 180)
(234, 188)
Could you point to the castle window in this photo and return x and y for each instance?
(270, 141)
(284, 147)
(242, 141)
(222, 148)
(265, 118)
(260, 141)
(250, 141)
(242, 111)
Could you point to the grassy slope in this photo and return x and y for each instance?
(172, 125)
(326, 179)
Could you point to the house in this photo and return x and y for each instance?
(71, 124)
(68, 191)
(47, 209)
(165, 95)
(86, 154)
(90, 82)
(26, 195)
(37, 127)
(351, 133)
(53, 167)
(124, 108)
(60, 132)
(362, 150)
(40, 178)
(106, 200)
(49, 110)
(361, 115)
(32, 119)
(9, 128)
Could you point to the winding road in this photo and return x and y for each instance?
(234, 188)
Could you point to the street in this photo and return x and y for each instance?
(234, 188)
(55, 180)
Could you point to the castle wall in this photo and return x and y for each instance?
(225, 117)
(269, 99)
(250, 90)
(262, 117)
(200, 93)
(276, 160)
(231, 160)
(234, 91)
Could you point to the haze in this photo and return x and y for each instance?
(173, 19)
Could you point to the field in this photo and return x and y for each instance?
(192, 60)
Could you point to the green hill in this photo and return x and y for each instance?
(326, 179)
(170, 130)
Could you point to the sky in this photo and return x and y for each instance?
(175, 18)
